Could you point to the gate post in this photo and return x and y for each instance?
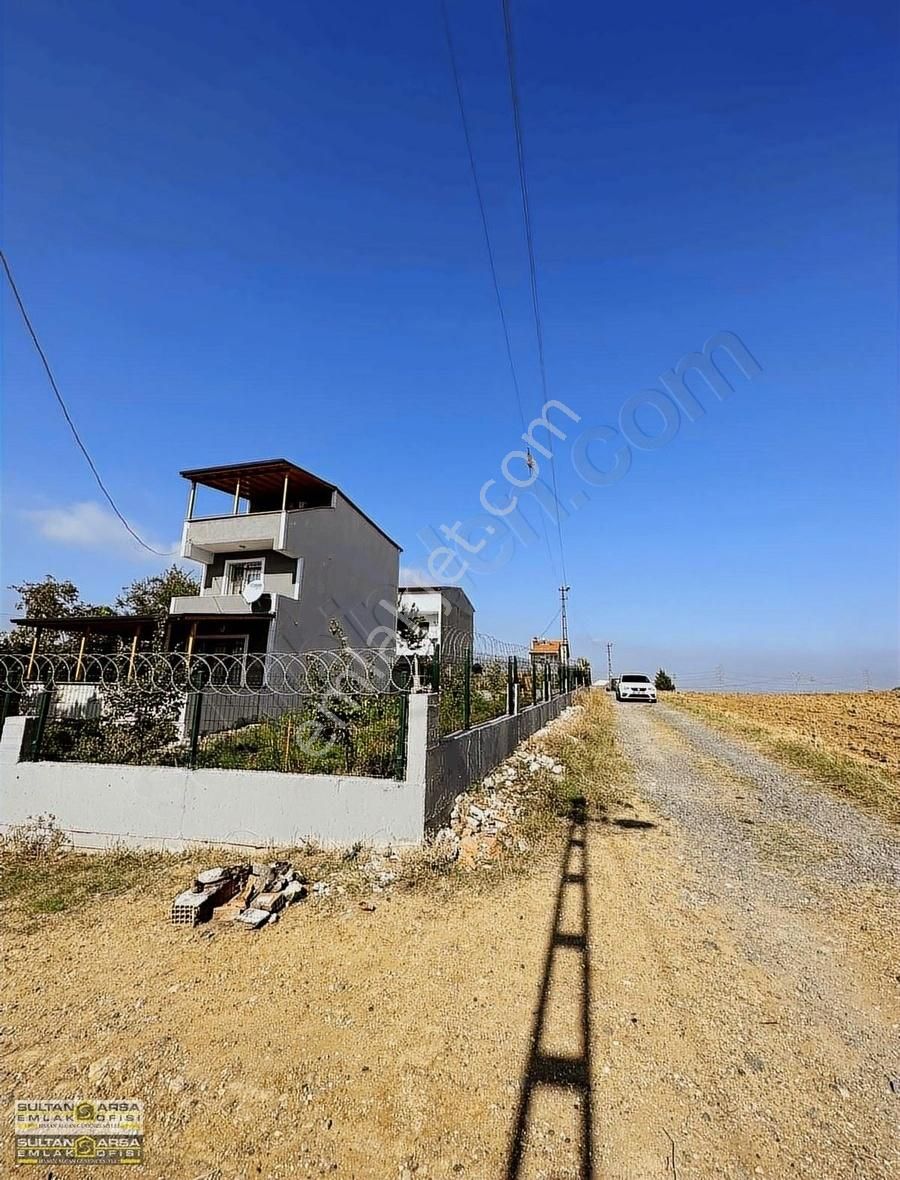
(40, 724)
(195, 726)
(467, 691)
(421, 707)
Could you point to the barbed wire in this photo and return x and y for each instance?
(320, 673)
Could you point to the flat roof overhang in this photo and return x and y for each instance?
(445, 589)
(225, 620)
(93, 624)
(259, 479)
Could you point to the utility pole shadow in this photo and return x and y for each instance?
(569, 1072)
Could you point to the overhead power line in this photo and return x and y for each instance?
(451, 52)
(473, 168)
(541, 634)
(529, 241)
(68, 417)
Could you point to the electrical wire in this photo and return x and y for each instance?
(529, 241)
(479, 195)
(541, 634)
(451, 53)
(68, 417)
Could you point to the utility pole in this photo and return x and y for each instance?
(563, 591)
(609, 662)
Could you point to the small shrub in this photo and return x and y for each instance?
(38, 838)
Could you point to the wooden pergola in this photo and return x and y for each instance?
(135, 627)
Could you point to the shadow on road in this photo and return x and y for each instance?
(571, 1071)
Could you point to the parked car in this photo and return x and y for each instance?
(635, 686)
(612, 684)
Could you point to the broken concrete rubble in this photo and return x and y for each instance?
(272, 887)
(272, 902)
(481, 818)
(253, 918)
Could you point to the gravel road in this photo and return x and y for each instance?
(806, 887)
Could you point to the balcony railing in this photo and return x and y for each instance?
(223, 534)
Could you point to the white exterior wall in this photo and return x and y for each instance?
(166, 807)
(429, 602)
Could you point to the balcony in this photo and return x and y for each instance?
(207, 535)
(216, 604)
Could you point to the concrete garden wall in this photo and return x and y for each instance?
(170, 807)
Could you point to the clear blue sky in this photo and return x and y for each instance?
(249, 230)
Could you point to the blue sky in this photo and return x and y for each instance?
(249, 231)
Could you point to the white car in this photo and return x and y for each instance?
(635, 686)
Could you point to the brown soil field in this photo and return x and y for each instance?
(850, 740)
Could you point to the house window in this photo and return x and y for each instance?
(238, 574)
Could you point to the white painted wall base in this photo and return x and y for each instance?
(166, 807)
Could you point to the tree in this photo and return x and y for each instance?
(53, 598)
(664, 682)
(142, 714)
(152, 595)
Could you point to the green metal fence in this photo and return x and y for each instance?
(478, 688)
(231, 727)
(296, 733)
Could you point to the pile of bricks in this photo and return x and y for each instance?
(276, 885)
(254, 894)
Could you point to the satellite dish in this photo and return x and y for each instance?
(253, 591)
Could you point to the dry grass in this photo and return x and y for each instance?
(587, 748)
(848, 741)
(393, 1042)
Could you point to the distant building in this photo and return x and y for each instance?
(549, 650)
(287, 553)
(449, 615)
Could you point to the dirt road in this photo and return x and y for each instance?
(769, 910)
(712, 969)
